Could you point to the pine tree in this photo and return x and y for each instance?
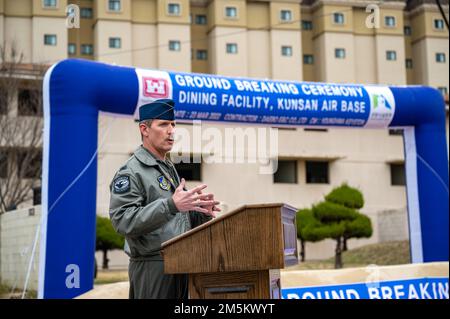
(107, 238)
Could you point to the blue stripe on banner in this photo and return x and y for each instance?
(418, 288)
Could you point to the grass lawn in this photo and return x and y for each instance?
(110, 276)
(383, 254)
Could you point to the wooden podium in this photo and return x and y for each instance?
(236, 255)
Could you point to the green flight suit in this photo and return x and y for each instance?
(142, 209)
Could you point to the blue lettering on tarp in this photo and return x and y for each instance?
(210, 97)
(419, 288)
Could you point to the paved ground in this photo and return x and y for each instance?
(390, 253)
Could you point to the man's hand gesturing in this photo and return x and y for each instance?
(193, 199)
(211, 208)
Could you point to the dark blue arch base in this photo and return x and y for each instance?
(76, 90)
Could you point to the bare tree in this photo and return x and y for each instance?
(21, 125)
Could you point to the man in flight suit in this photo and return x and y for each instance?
(150, 205)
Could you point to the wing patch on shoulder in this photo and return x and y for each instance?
(121, 184)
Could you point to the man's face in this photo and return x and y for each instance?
(159, 135)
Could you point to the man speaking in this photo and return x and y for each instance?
(150, 204)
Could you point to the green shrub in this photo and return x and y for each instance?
(328, 212)
(346, 196)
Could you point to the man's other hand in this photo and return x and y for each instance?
(211, 208)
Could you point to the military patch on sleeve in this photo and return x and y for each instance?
(121, 184)
(163, 183)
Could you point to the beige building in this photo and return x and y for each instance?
(36, 30)
(309, 40)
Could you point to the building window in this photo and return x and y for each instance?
(316, 172)
(3, 101)
(231, 12)
(189, 171)
(4, 159)
(398, 175)
(285, 15)
(87, 49)
(29, 163)
(443, 90)
(29, 102)
(114, 5)
(201, 19)
(389, 21)
(284, 128)
(50, 4)
(232, 48)
(115, 43)
(391, 55)
(286, 172)
(440, 57)
(338, 18)
(393, 131)
(72, 49)
(308, 59)
(37, 196)
(339, 53)
(86, 13)
(439, 24)
(409, 63)
(174, 45)
(286, 50)
(407, 30)
(50, 39)
(202, 55)
(315, 129)
(174, 9)
(307, 25)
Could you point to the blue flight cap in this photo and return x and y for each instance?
(162, 109)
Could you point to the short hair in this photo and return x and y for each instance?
(146, 123)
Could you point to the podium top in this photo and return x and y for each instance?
(222, 217)
(251, 237)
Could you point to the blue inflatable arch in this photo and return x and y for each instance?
(76, 90)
